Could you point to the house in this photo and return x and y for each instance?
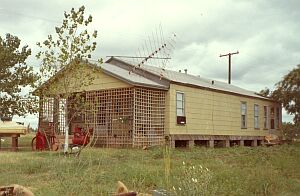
(129, 106)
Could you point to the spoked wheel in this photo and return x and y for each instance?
(33, 144)
(54, 143)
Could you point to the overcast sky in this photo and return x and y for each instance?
(266, 33)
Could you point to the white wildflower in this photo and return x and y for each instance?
(179, 188)
(207, 169)
(183, 163)
(174, 188)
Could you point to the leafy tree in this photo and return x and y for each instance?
(70, 47)
(287, 92)
(290, 131)
(15, 74)
(265, 92)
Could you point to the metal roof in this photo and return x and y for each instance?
(131, 78)
(201, 82)
(184, 79)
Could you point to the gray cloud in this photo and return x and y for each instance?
(265, 32)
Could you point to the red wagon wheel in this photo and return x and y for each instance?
(38, 142)
(33, 144)
(54, 143)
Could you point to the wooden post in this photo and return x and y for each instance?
(14, 143)
(254, 143)
(172, 143)
(227, 143)
(191, 143)
(241, 142)
(211, 143)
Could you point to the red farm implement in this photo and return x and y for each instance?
(46, 138)
(81, 136)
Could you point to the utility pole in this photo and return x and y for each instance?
(229, 64)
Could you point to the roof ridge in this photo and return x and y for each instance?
(185, 78)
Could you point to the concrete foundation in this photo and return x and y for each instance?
(227, 143)
(254, 143)
(173, 144)
(211, 143)
(242, 143)
(191, 143)
(214, 141)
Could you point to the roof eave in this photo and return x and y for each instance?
(222, 91)
(134, 83)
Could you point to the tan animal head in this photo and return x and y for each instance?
(122, 190)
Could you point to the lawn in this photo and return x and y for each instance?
(222, 171)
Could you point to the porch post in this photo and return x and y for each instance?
(211, 143)
(66, 146)
(55, 114)
(41, 101)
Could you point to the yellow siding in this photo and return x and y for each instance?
(213, 113)
(85, 79)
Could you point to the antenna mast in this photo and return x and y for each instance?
(229, 64)
(156, 48)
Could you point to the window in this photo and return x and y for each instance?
(272, 124)
(277, 117)
(256, 116)
(179, 104)
(265, 117)
(243, 115)
(180, 108)
(272, 121)
(47, 109)
(272, 111)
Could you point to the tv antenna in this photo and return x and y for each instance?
(229, 64)
(155, 50)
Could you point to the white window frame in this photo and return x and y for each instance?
(183, 104)
(256, 116)
(243, 114)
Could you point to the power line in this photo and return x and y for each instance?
(10, 13)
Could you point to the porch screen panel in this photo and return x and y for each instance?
(110, 114)
(149, 117)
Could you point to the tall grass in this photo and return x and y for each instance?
(231, 171)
